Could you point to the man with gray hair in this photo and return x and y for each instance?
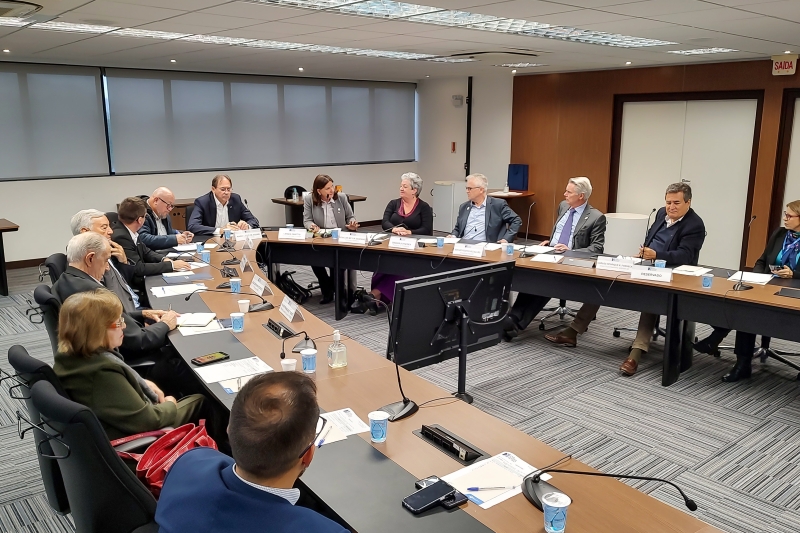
(485, 218)
(676, 236)
(157, 232)
(87, 255)
(579, 227)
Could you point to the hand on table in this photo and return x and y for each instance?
(561, 248)
(353, 225)
(401, 231)
(648, 254)
(242, 225)
(178, 265)
(784, 272)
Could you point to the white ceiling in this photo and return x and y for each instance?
(758, 28)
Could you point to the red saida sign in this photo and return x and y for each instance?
(784, 65)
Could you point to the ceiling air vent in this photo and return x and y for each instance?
(13, 9)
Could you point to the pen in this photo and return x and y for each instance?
(475, 489)
(324, 434)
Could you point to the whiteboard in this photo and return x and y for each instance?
(707, 143)
(792, 190)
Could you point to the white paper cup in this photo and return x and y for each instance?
(289, 365)
(244, 305)
(378, 425)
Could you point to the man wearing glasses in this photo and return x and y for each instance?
(131, 213)
(484, 218)
(274, 429)
(156, 232)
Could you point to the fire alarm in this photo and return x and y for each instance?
(458, 100)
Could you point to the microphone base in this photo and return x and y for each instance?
(228, 272)
(742, 287)
(463, 396)
(231, 261)
(264, 306)
(400, 410)
(304, 344)
(534, 491)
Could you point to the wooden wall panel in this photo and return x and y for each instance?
(562, 126)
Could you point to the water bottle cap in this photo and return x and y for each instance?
(336, 335)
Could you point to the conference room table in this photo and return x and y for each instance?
(682, 301)
(362, 482)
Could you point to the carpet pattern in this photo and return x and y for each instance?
(733, 448)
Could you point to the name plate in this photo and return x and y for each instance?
(292, 234)
(403, 243)
(651, 273)
(289, 309)
(469, 250)
(258, 285)
(242, 235)
(244, 264)
(351, 237)
(615, 264)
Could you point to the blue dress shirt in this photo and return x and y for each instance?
(563, 220)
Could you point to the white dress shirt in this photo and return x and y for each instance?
(160, 229)
(290, 495)
(134, 236)
(330, 218)
(222, 214)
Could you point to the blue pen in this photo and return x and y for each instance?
(476, 489)
(325, 434)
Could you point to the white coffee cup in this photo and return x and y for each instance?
(244, 305)
(289, 365)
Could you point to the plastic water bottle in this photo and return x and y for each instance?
(294, 195)
(337, 352)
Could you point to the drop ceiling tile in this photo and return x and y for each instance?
(650, 8)
(163, 50)
(80, 18)
(254, 11)
(272, 30)
(101, 9)
(396, 27)
(393, 41)
(699, 18)
(183, 5)
(581, 18)
(522, 9)
(97, 45)
(329, 38)
(331, 20)
(33, 41)
(170, 26)
(787, 9)
(212, 21)
(777, 31)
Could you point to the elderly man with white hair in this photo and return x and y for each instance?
(579, 227)
(483, 217)
(157, 232)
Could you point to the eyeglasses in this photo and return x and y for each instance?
(119, 324)
(470, 188)
(169, 206)
(787, 215)
(224, 189)
(319, 432)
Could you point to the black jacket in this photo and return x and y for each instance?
(420, 222)
(148, 233)
(204, 215)
(145, 261)
(770, 255)
(684, 247)
(138, 340)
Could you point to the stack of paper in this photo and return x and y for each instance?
(547, 258)
(752, 277)
(211, 327)
(493, 246)
(538, 249)
(195, 320)
(346, 420)
(233, 369)
(186, 247)
(176, 290)
(689, 270)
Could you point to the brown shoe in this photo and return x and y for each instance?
(563, 340)
(629, 367)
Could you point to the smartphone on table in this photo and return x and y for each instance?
(209, 358)
(428, 497)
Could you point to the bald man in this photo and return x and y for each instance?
(157, 232)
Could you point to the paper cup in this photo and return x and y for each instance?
(200, 247)
(237, 321)
(236, 285)
(335, 233)
(708, 279)
(244, 305)
(378, 426)
(205, 256)
(309, 356)
(289, 365)
(660, 263)
(227, 234)
(440, 242)
(555, 507)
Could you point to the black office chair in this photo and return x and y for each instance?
(189, 210)
(56, 265)
(561, 311)
(50, 306)
(104, 494)
(112, 217)
(764, 352)
(29, 371)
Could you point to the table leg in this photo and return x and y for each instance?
(687, 339)
(338, 289)
(3, 278)
(672, 344)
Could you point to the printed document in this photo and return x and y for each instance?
(346, 420)
(233, 369)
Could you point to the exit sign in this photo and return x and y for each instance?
(784, 65)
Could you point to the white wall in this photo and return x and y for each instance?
(491, 126)
(43, 208)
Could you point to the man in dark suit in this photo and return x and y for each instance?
(484, 218)
(220, 209)
(579, 227)
(145, 262)
(274, 427)
(157, 232)
(87, 256)
(676, 236)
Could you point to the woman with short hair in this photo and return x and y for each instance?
(90, 329)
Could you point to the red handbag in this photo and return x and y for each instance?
(152, 466)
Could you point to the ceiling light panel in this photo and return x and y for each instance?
(73, 28)
(390, 9)
(521, 65)
(702, 51)
(151, 34)
(13, 22)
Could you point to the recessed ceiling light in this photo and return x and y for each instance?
(172, 61)
(700, 51)
(300, 69)
(6, 51)
(514, 71)
(392, 10)
(788, 52)
(627, 62)
(427, 76)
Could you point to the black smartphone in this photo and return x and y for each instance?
(453, 501)
(226, 323)
(426, 482)
(429, 497)
(210, 358)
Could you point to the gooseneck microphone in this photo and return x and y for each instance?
(373, 242)
(226, 272)
(306, 342)
(532, 492)
(232, 261)
(739, 285)
(254, 308)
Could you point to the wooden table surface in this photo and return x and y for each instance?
(7, 225)
(299, 201)
(369, 381)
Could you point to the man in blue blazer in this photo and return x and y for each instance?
(157, 232)
(484, 218)
(220, 209)
(273, 430)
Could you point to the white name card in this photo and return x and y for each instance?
(244, 264)
(651, 273)
(258, 285)
(403, 243)
(351, 237)
(289, 309)
(249, 244)
(614, 263)
(241, 235)
(291, 234)
(469, 250)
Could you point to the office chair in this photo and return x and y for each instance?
(189, 210)
(29, 371)
(562, 310)
(104, 494)
(112, 217)
(764, 352)
(50, 307)
(56, 265)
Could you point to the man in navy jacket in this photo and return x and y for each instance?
(157, 232)
(220, 209)
(273, 429)
(483, 217)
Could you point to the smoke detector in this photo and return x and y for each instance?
(14, 9)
